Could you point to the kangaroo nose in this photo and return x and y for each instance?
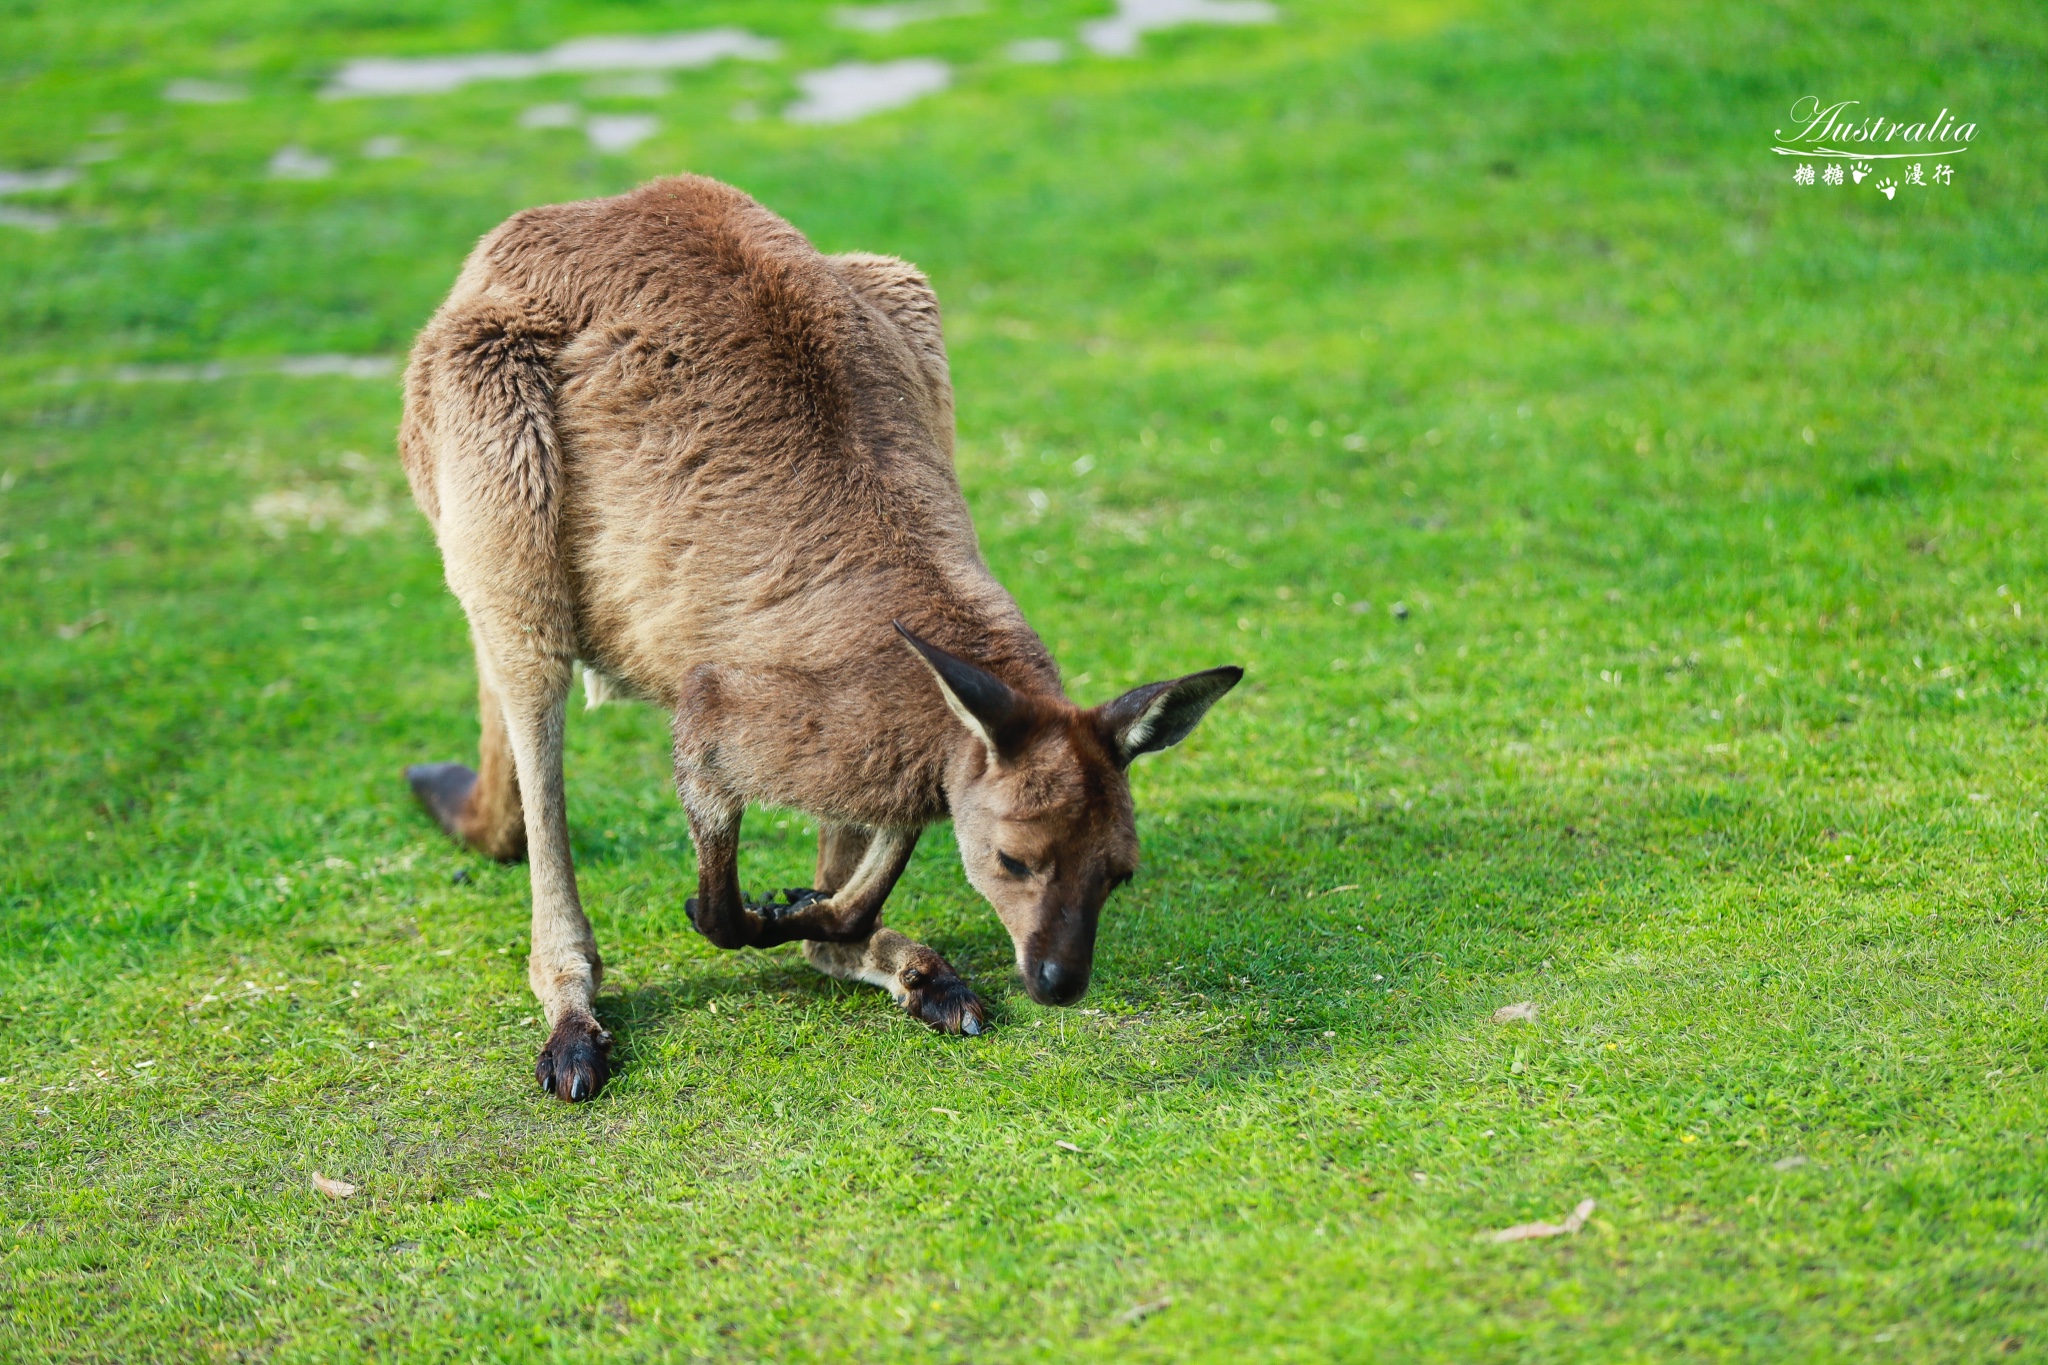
(1059, 985)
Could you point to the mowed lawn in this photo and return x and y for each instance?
(1640, 563)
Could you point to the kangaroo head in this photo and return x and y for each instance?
(1042, 809)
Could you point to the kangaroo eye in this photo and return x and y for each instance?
(1011, 865)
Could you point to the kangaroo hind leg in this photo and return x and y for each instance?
(496, 482)
(478, 806)
(563, 966)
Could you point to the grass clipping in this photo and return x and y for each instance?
(1522, 1232)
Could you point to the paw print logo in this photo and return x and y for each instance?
(1886, 188)
(1859, 170)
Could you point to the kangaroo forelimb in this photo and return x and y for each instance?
(721, 912)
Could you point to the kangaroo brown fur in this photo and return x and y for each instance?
(662, 435)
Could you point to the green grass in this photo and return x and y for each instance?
(1713, 726)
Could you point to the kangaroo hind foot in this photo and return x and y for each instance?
(923, 984)
(576, 1062)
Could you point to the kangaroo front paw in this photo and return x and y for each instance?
(577, 1059)
(741, 928)
(935, 994)
(794, 898)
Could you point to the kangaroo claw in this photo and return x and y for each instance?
(577, 1059)
(794, 899)
(942, 1000)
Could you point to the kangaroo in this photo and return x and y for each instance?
(660, 434)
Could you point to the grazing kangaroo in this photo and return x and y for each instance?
(662, 435)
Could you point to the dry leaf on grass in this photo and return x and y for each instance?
(74, 629)
(1788, 1163)
(1137, 1313)
(1522, 1011)
(333, 1189)
(1522, 1232)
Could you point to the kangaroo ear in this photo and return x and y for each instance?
(1160, 715)
(985, 703)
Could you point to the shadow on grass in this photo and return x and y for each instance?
(1285, 921)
